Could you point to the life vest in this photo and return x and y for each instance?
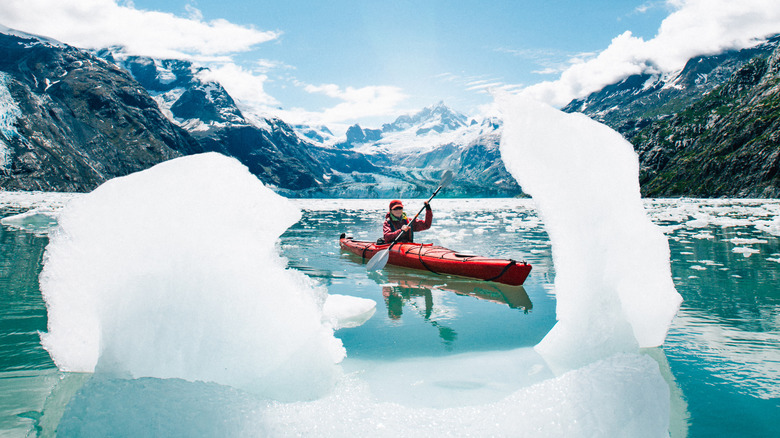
(396, 225)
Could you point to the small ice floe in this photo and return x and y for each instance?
(745, 251)
(701, 221)
(668, 229)
(771, 227)
(343, 311)
(742, 241)
(705, 235)
(771, 259)
(36, 221)
(698, 268)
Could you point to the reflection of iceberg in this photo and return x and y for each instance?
(743, 355)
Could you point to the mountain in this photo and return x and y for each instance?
(726, 144)
(709, 130)
(406, 158)
(269, 147)
(438, 118)
(70, 121)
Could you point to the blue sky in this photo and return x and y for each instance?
(340, 62)
(430, 50)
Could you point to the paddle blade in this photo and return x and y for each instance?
(378, 261)
(446, 179)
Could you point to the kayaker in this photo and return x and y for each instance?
(396, 223)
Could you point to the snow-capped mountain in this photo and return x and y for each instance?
(406, 157)
(268, 146)
(708, 130)
(71, 120)
(438, 118)
(631, 104)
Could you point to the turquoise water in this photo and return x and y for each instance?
(723, 349)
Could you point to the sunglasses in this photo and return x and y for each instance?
(398, 208)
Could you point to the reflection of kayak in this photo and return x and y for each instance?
(513, 296)
(427, 257)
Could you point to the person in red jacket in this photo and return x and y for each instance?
(397, 223)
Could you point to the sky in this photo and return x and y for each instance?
(341, 62)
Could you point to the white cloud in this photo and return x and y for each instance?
(696, 27)
(354, 103)
(241, 84)
(104, 23)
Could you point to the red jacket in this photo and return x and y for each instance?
(392, 227)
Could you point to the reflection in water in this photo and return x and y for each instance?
(400, 288)
(396, 296)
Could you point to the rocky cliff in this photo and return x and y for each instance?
(72, 120)
(710, 130)
(727, 144)
(269, 147)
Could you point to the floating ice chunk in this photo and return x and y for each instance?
(772, 227)
(743, 241)
(173, 273)
(36, 221)
(343, 311)
(701, 221)
(745, 251)
(613, 277)
(698, 268)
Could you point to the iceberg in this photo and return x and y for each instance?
(173, 273)
(613, 280)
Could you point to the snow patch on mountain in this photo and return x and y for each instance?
(409, 141)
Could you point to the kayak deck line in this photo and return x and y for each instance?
(440, 260)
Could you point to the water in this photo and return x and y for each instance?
(723, 349)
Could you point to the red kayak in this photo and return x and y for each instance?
(439, 260)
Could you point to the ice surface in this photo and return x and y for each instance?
(613, 278)
(36, 221)
(173, 273)
(343, 311)
(614, 397)
(572, 405)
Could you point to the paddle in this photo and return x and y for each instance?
(380, 259)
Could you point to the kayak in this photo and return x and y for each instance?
(440, 260)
